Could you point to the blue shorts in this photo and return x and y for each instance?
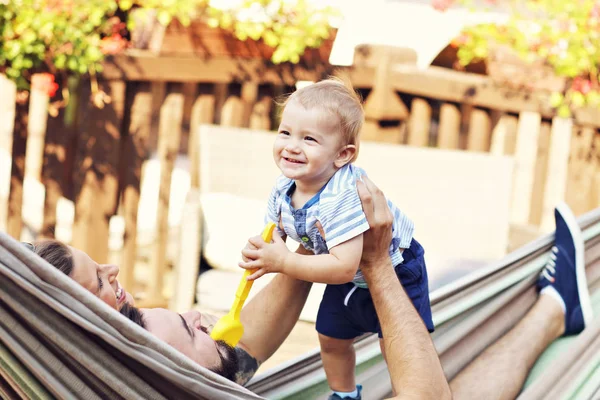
(346, 315)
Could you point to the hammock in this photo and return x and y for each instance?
(58, 340)
(470, 314)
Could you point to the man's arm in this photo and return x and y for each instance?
(268, 320)
(412, 360)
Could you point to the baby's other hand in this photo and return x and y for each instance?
(249, 246)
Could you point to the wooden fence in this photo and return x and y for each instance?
(94, 156)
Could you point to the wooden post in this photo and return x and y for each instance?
(582, 167)
(261, 114)
(135, 151)
(449, 129)
(220, 91)
(188, 263)
(60, 132)
(479, 131)
(38, 118)
(7, 120)
(524, 172)
(596, 177)
(383, 104)
(419, 123)
(97, 176)
(203, 112)
(171, 115)
(232, 113)
(558, 165)
(541, 171)
(249, 96)
(504, 136)
(14, 221)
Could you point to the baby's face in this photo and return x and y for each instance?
(308, 144)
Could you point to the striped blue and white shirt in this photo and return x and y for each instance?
(338, 208)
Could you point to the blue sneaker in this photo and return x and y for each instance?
(336, 396)
(565, 271)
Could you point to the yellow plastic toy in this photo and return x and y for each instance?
(230, 328)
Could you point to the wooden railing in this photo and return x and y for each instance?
(94, 156)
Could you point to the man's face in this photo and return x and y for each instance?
(187, 333)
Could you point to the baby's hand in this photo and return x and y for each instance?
(249, 246)
(264, 257)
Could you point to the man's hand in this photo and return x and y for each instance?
(265, 257)
(377, 239)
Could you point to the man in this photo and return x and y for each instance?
(563, 307)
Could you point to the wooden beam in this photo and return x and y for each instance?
(171, 115)
(524, 173)
(145, 66)
(232, 113)
(582, 168)
(7, 120)
(188, 262)
(480, 130)
(449, 128)
(541, 172)
(203, 112)
(14, 221)
(38, 118)
(433, 82)
(504, 135)
(558, 167)
(383, 103)
(419, 123)
(135, 147)
(96, 171)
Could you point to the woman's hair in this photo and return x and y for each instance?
(56, 254)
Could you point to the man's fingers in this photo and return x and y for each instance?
(366, 199)
(381, 210)
(256, 275)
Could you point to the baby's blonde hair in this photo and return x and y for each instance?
(337, 97)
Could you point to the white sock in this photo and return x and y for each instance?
(347, 394)
(549, 290)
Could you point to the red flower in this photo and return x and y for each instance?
(441, 5)
(113, 44)
(45, 83)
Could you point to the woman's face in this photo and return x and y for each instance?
(101, 280)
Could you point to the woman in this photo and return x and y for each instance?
(99, 279)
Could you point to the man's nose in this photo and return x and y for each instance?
(193, 318)
(111, 271)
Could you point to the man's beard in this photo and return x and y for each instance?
(229, 361)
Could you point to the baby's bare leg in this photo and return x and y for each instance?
(339, 360)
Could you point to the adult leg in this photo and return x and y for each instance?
(500, 371)
(563, 307)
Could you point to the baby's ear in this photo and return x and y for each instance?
(345, 155)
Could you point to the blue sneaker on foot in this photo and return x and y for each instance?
(565, 271)
(336, 396)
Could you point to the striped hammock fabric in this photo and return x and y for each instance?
(59, 341)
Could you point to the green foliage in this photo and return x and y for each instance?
(71, 37)
(564, 34)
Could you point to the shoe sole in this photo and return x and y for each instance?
(584, 298)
